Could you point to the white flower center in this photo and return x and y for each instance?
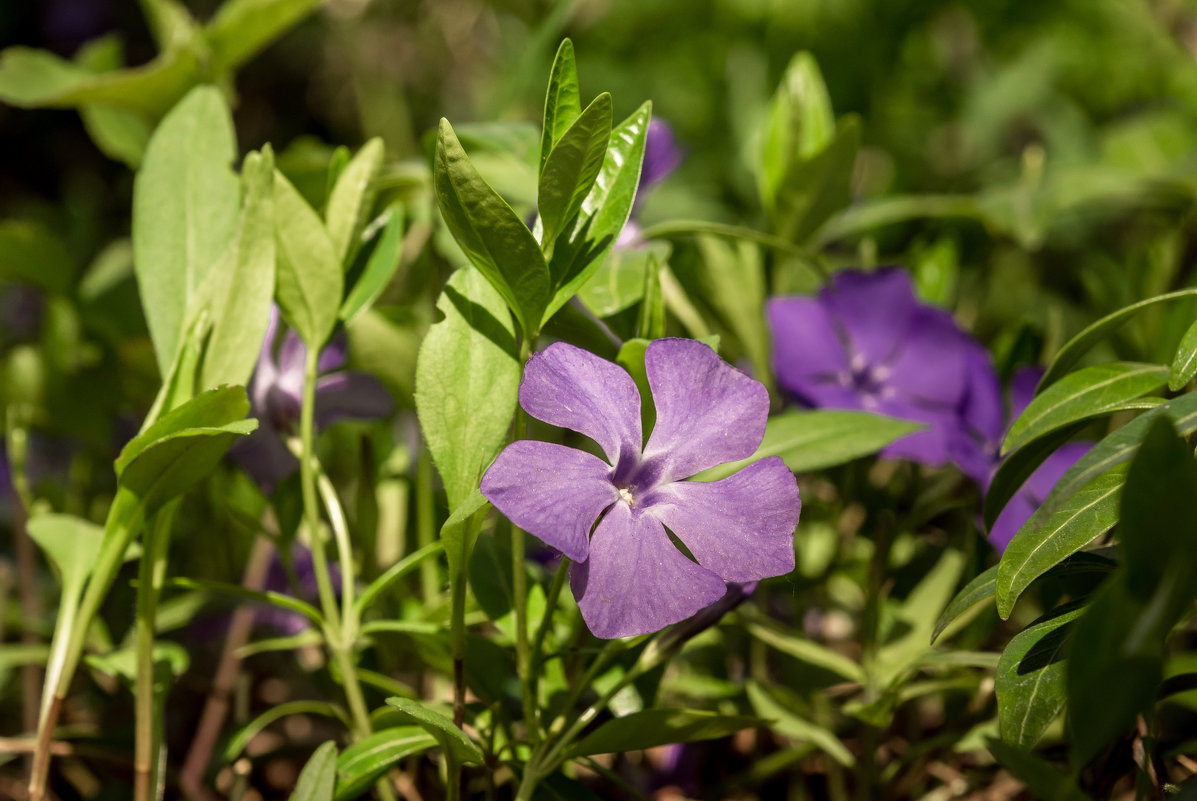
(626, 494)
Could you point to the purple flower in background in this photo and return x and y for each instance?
(661, 157)
(283, 620)
(276, 395)
(865, 343)
(628, 577)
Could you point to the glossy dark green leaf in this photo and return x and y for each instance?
(799, 125)
(1016, 468)
(319, 775)
(1080, 344)
(490, 233)
(977, 591)
(237, 291)
(310, 281)
(1042, 779)
(581, 247)
(813, 440)
(1087, 393)
(242, 28)
(1055, 532)
(351, 198)
(815, 188)
(451, 738)
(562, 102)
(572, 167)
(467, 382)
(1030, 677)
(32, 254)
(185, 203)
(1184, 364)
(380, 267)
(362, 763)
(652, 727)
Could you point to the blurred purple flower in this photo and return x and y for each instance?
(864, 342)
(276, 395)
(629, 578)
(282, 620)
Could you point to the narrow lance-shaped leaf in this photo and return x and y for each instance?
(451, 738)
(1030, 677)
(309, 281)
(652, 727)
(241, 28)
(1184, 364)
(490, 233)
(800, 124)
(980, 589)
(1016, 468)
(1087, 393)
(185, 202)
(319, 775)
(351, 198)
(362, 763)
(572, 167)
(581, 248)
(467, 381)
(562, 102)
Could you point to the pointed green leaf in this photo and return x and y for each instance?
(1087, 393)
(380, 267)
(249, 731)
(980, 589)
(572, 167)
(70, 543)
(1030, 677)
(170, 23)
(580, 249)
(813, 189)
(1016, 468)
(351, 198)
(319, 775)
(279, 599)
(452, 739)
(310, 281)
(467, 382)
(650, 323)
(490, 233)
(562, 102)
(785, 721)
(118, 133)
(813, 440)
(652, 727)
(1055, 532)
(1043, 781)
(242, 28)
(807, 651)
(212, 409)
(362, 763)
(619, 281)
(1184, 365)
(238, 289)
(185, 202)
(1080, 344)
(799, 125)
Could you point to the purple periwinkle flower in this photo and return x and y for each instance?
(864, 342)
(276, 396)
(628, 577)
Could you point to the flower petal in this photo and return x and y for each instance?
(661, 154)
(572, 388)
(873, 309)
(708, 412)
(551, 491)
(741, 527)
(808, 352)
(1032, 493)
(931, 369)
(635, 580)
(349, 394)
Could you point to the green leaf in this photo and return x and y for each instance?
(580, 249)
(619, 281)
(242, 28)
(237, 291)
(170, 23)
(351, 198)
(279, 599)
(650, 322)
(788, 723)
(362, 763)
(1087, 393)
(568, 175)
(812, 440)
(185, 202)
(1055, 532)
(70, 543)
(1080, 344)
(467, 382)
(734, 277)
(799, 125)
(652, 727)
(119, 134)
(452, 739)
(980, 589)
(310, 281)
(1016, 468)
(562, 102)
(1041, 778)
(813, 189)
(319, 775)
(461, 530)
(212, 409)
(806, 651)
(1030, 677)
(394, 573)
(30, 253)
(1184, 365)
(380, 267)
(490, 233)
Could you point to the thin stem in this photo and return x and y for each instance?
(519, 587)
(340, 528)
(425, 522)
(546, 622)
(150, 575)
(307, 480)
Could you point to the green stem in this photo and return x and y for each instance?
(426, 522)
(150, 576)
(546, 622)
(307, 483)
(519, 587)
(340, 527)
